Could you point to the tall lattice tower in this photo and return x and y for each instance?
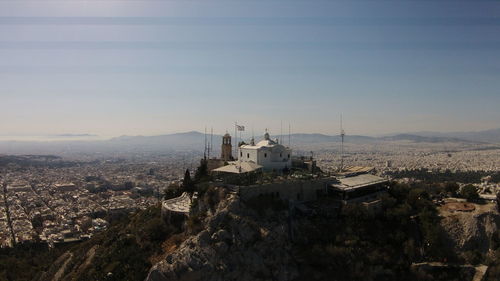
(227, 148)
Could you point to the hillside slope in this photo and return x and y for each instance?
(233, 245)
(226, 238)
(123, 252)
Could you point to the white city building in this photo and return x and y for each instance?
(269, 154)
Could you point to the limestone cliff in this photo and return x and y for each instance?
(471, 230)
(235, 244)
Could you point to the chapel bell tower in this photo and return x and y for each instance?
(227, 148)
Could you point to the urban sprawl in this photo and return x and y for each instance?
(59, 200)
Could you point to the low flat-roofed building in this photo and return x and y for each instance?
(19, 187)
(357, 189)
(65, 186)
(237, 167)
(355, 170)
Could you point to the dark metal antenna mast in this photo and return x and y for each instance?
(289, 135)
(342, 135)
(211, 141)
(205, 149)
(281, 132)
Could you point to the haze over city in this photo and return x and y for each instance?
(114, 68)
(249, 140)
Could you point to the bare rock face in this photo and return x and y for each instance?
(235, 245)
(470, 231)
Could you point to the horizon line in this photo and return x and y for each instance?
(97, 137)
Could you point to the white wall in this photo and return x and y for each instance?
(245, 152)
(268, 157)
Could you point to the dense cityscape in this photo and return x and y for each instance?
(63, 204)
(405, 155)
(215, 140)
(55, 200)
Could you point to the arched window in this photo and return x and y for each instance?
(248, 155)
(265, 155)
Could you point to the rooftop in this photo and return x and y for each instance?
(352, 170)
(349, 183)
(181, 204)
(266, 142)
(239, 167)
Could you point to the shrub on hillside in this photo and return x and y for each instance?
(451, 188)
(469, 192)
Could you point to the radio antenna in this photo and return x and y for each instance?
(289, 134)
(281, 132)
(205, 149)
(342, 135)
(211, 141)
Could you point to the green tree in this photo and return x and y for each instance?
(201, 174)
(469, 192)
(172, 191)
(451, 187)
(187, 183)
(128, 185)
(37, 221)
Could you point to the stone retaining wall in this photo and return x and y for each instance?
(299, 190)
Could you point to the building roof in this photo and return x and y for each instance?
(238, 168)
(353, 170)
(181, 204)
(349, 183)
(262, 144)
(266, 142)
(64, 184)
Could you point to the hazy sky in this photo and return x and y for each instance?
(151, 67)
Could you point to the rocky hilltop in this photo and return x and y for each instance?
(235, 244)
(238, 240)
(265, 238)
(471, 230)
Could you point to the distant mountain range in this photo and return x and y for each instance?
(418, 138)
(194, 141)
(321, 138)
(488, 136)
(191, 139)
(73, 135)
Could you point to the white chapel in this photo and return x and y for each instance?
(269, 154)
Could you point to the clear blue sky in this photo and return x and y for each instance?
(152, 67)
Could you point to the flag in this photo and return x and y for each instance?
(240, 128)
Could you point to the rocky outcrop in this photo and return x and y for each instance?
(471, 231)
(236, 244)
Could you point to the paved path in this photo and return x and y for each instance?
(478, 275)
(181, 204)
